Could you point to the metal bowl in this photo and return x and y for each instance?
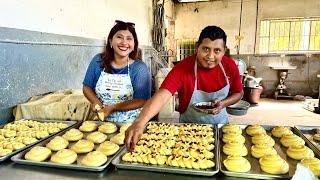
(240, 108)
(204, 107)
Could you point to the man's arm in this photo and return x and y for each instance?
(150, 109)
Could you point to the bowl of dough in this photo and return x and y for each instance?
(204, 107)
(238, 109)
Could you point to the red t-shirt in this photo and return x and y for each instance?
(181, 78)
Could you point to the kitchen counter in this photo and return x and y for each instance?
(268, 112)
(278, 112)
(12, 171)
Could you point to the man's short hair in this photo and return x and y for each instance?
(213, 33)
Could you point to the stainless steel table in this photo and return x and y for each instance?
(12, 171)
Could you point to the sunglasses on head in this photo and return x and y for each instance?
(126, 23)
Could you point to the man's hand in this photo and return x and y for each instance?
(133, 134)
(218, 105)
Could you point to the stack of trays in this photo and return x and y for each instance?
(260, 166)
(174, 148)
(20, 135)
(86, 147)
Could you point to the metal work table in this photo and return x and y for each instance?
(12, 171)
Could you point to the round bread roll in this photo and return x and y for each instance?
(291, 139)
(95, 158)
(108, 148)
(235, 149)
(52, 130)
(237, 164)
(28, 140)
(118, 139)
(82, 146)
(57, 143)
(73, 135)
(299, 152)
(96, 137)
(64, 156)
(255, 129)
(231, 128)
(4, 152)
(316, 137)
(108, 128)
(263, 139)
(41, 134)
(10, 133)
(313, 164)
(279, 131)
(38, 153)
(233, 137)
(273, 164)
(260, 150)
(14, 145)
(124, 127)
(88, 126)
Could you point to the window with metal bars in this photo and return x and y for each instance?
(185, 48)
(289, 35)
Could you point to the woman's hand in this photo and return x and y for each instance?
(133, 134)
(107, 110)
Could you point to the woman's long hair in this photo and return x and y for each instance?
(108, 54)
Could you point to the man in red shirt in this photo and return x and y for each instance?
(206, 76)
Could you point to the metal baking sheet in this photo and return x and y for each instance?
(255, 171)
(69, 123)
(307, 133)
(119, 163)
(19, 158)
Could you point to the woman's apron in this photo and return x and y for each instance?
(113, 89)
(193, 116)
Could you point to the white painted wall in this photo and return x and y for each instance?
(189, 24)
(84, 18)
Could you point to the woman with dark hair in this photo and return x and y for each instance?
(117, 83)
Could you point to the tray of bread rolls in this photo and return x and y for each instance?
(261, 151)
(181, 148)
(311, 134)
(90, 146)
(19, 135)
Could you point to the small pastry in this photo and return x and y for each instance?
(38, 153)
(291, 139)
(263, 139)
(57, 143)
(108, 148)
(273, 164)
(88, 126)
(299, 152)
(97, 137)
(280, 130)
(82, 146)
(4, 152)
(235, 149)
(260, 150)
(108, 128)
(313, 164)
(118, 139)
(73, 135)
(229, 137)
(237, 164)
(255, 129)
(231, 128)
(95, 158)
(316, 137)
(64, 156)
(124, 127)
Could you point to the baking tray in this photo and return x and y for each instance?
(19, 158)
(69, 123)
(119, 163)
(255, 171)
(307, 133)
